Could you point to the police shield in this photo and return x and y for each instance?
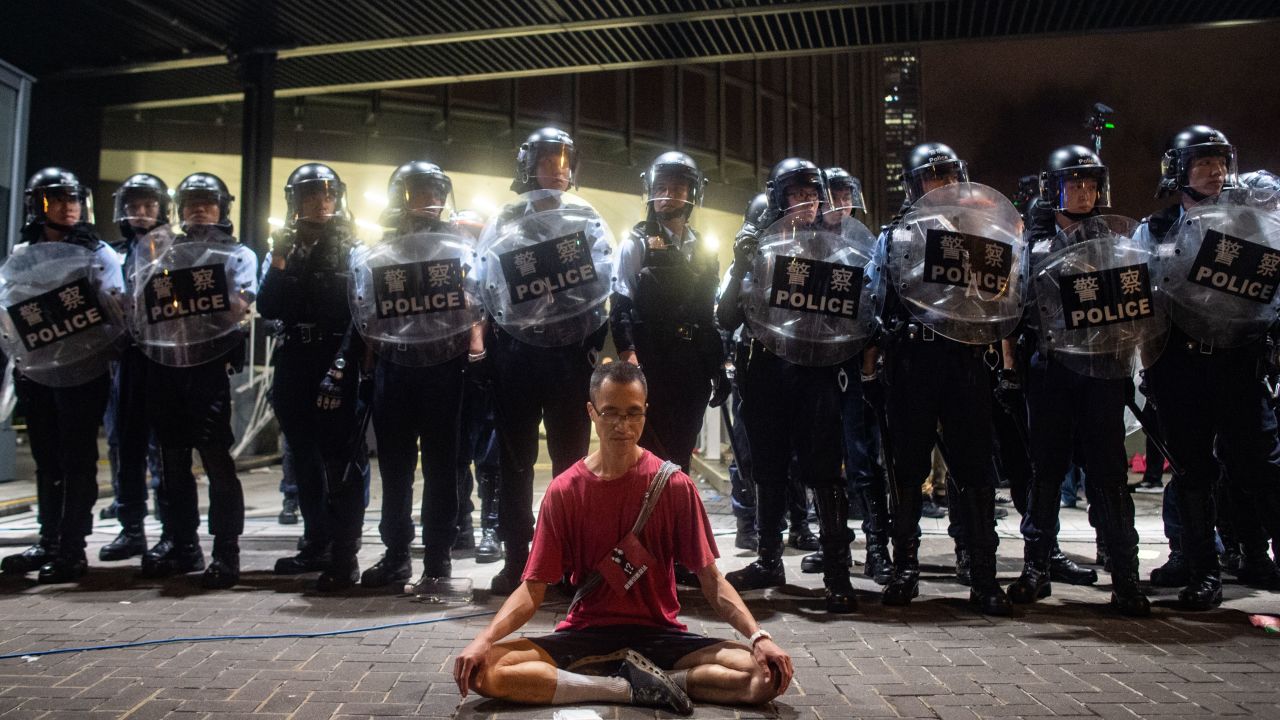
(545, 273)
(192, 295)
(64, 317)
(813, 294)
(414, 297)
(1096, 301)
(958, 261)
(1219, 268)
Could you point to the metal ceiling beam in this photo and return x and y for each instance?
(666, 62)
(482, 35)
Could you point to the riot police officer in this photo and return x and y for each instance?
(1066, 407)
(317, 369)
(864, 478)
(536, 383)
(188, 381)
(141, 204)
(661, 311)
(932, 380)
(1205, 392)
(63, 419)
(790, 411)
(419, 405)
(479, 444)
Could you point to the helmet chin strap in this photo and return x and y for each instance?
(1076, 217)
(1193, 193)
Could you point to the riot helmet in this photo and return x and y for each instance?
(756, 209)
(1065, 182)
(140, 204)
(931, 163)
(547, 157)
(1199, 158)
(55, 197)
(797, 187)
(315, 194)
(673, 185)
(418, 189)
(201, 200)
(846, 194)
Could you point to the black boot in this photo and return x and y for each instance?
(395, 568)
(508, 578)
(288, 511)
(985, 594)
(224, 569)
(490, 549)
(904, 585)
(1174, 572)
(1204, 592)
(435, 567)
(131, 542)
(342, 574)
(765, 572)
(877, 566)
(1126, 597)
(746, 537)
(311, 557)
(964, 573)
(1065, 570)
(167, 558)
(67, 566)
(812, 563)
(31, 559)
(1033, 584)
(833, 521)
(1259, 571)
(801, 537)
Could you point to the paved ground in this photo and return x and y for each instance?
(1066, 657)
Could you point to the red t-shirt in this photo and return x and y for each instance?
(583, 517)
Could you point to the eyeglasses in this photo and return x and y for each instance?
(615, 417)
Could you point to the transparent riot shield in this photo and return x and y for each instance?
(1219, 267)
(64, 312)
(545, 267)
(192, 298)
(958, 261)
(1096, 301)
(415, 297)
(814, 294)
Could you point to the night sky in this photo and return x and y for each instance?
(1006, 105)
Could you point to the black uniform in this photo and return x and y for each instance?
(62, 427)
(309, 300)
(1205, 395)
(670, 325)
(417, 411)
(1067, 410)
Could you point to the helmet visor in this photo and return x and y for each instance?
(426, 196)
(1079, 189)
(925, 178)
(66, 204)
(142, 208)
(672, 192)
(1208, 168)
(318, 200)
(201, 207)
(554, 166)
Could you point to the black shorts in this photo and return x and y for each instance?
(664, 646)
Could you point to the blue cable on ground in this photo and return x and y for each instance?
(210, 638)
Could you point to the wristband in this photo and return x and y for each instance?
(868, 378)
(477, 357)
(758, 635)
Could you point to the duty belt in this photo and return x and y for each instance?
(917, 331)
(306, 333)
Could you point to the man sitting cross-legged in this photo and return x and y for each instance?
(621, 641)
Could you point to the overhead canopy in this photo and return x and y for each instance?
(149, 53)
